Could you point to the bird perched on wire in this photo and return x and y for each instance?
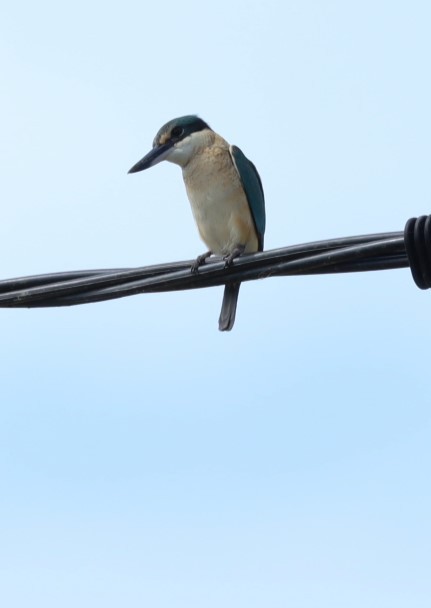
(224, 190)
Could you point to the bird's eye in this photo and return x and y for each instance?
(177, 132)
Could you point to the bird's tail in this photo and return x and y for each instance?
(228, 307)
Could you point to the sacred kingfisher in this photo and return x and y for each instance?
(224, 190)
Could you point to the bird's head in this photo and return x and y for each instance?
(177, 141)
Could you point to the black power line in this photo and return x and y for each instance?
(411, 248)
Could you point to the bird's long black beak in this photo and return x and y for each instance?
(154, 156)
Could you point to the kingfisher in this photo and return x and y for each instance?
(225, 193)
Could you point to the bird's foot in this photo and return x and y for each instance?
(228, 259)
(200, 260)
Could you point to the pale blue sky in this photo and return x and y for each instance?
(145, 458)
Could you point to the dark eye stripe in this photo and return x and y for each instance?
(177, 132)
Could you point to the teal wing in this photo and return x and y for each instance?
(253, 190)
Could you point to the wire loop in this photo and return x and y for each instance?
(417, 237)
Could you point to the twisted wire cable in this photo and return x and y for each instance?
(410, 248)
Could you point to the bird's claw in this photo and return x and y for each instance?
(195, 267)
(228, 259)
(200, 260)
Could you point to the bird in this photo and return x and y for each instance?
(225, 193)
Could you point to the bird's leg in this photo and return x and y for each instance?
(200, 260)
(228, 259)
